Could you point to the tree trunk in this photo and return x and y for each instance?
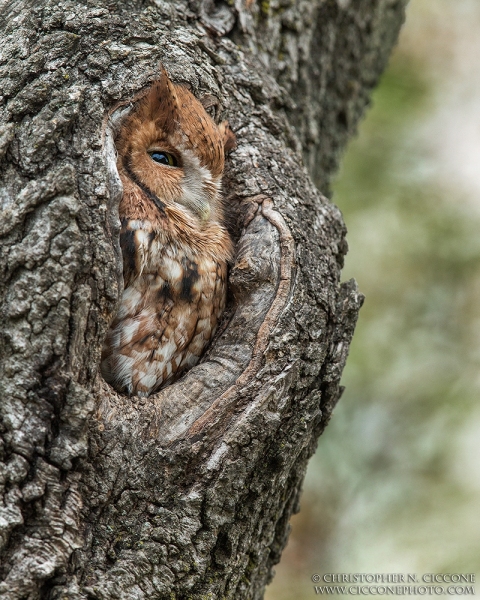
(186, 494)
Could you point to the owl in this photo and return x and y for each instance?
(174, 242)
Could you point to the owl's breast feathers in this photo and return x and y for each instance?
(172, 302)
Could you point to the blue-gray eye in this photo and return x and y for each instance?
(164, 158)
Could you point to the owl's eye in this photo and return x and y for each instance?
(164, 158)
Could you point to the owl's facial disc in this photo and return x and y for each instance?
(175, 174)
(199, 189)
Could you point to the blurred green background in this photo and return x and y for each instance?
(395, 484)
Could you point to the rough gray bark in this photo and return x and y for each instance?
(186, 494)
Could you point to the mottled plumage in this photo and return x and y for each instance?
(175, 246)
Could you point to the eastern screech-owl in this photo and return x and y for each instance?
(174, 243)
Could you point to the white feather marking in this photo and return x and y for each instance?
(135, 224)
(168, 350)
(148, 381)
(173, 270)
(131, 300)
(142, 240)
(128, 331)
(123, 370)
(203, 324)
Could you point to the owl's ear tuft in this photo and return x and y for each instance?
(229, 138)
(166, 87)
(161, 102)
